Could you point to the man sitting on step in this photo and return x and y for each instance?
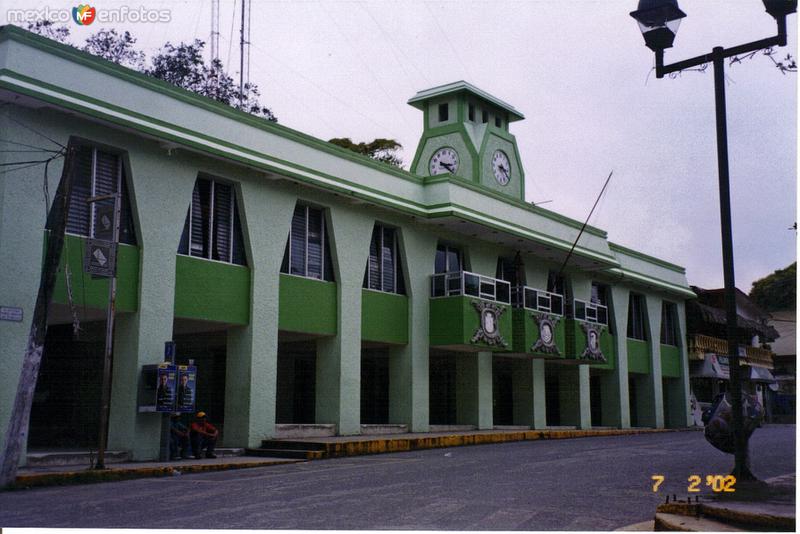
(204, 436)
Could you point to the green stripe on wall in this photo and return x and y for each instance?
(670, 361)
(307, 305)
(384, 317)
(638, 356)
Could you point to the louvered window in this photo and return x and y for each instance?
(307, 249)
(669, 324)
(98, 173)
(384, 270)
(637, 317)
(212, 229)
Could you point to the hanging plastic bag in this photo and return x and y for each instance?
(719, 420)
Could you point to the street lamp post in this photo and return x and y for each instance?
(659, 21)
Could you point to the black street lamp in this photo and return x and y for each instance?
(659, 20)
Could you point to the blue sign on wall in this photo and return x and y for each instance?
(187, 388)
(165, 391)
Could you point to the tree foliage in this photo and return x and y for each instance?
(46, 28)
(383, 150)
(110, 45)
(778, 291)
(182, 65)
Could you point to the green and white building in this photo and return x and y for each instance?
(316, 290)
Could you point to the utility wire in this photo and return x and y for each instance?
(586, 222)
(12, 119)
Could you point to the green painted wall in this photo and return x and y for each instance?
(93, 292)
(670, 361)
(384, 317)
(454, 321)
(526, 334)
(576, 344)
(211, 291)
(307, 305)
(638, 356)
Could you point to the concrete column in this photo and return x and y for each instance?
(252, 352)
(581, 289)
(529, 398)
(620, 413)
(409, 364)
(161, 192)
(653, 414)
(678, 413)
(573, 390)
(339, 357)
(21, 253)
(474, 389)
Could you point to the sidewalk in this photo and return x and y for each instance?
(769, 506)
(54, 475)
(337, 446)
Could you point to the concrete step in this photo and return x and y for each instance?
(300, 431)
(380, 430)
(683, 523)
(296, 445)
(299, 454)
(53, 458)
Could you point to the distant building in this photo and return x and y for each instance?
(709, 369)
(785, 361)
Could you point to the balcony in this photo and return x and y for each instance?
(470, 312)
(700, 344)
(588, 340)
(538, 321)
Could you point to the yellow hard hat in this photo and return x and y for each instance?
(200, 415)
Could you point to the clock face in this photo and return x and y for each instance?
(501, 167)
(444, 160)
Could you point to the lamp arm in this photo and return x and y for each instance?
(778, 40)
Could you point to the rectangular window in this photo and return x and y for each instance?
(669, 324)
(485, 116)
(600, 296)
(471, 112)
(383, 266)
(637, 316)
(307, 250)
(448, 259)
(498, 121)
(212, 229)
(98, 173)
(443, 112)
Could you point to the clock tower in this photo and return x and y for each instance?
(466, 135)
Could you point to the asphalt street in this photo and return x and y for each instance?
(576, 484)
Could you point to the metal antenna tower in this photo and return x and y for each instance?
(214, 30)
(244, 52)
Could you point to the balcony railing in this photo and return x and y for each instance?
(699, 344)
(475, 285)
(537, 300)
(589, 311)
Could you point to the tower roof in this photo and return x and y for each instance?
(461, 86)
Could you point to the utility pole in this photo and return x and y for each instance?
(214, 30)
(17, 431)
(244, 52)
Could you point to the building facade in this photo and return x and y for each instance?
(709, 369)
(314, 288)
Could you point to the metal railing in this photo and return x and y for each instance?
(589, 311)
(537, 300)
(472, 284)
(699, 344)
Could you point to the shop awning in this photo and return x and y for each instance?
(709, 367)
(761, 374)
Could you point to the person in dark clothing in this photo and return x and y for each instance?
(179, 446)
(204, 436)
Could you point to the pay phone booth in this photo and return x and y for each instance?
(168, 388)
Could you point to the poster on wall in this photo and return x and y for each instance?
(165, 391)
(187, 384)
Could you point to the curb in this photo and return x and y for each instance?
(116, 474)
(379, 446)
(734, 518)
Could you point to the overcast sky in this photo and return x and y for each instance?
(580, 73)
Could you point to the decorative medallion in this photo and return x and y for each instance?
(547, 333)
(489, 329)
(593, 350)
